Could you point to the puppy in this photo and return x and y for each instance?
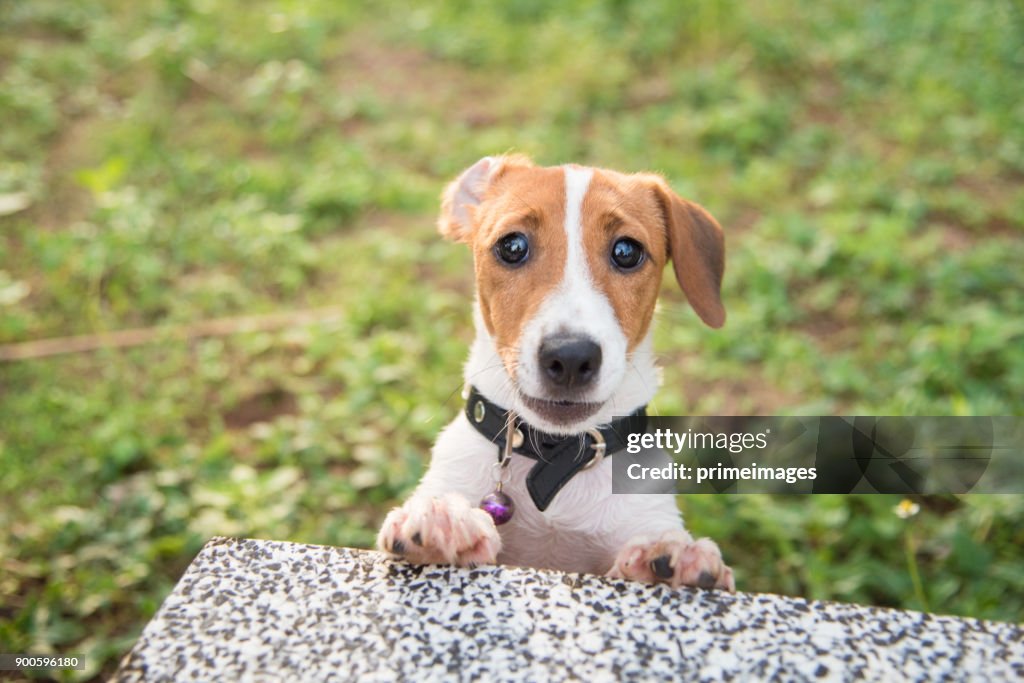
(568, 263)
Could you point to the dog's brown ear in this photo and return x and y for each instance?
(464, 194)
(696, 246)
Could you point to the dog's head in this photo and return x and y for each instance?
(568, 265)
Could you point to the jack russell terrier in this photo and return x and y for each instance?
(568, 264)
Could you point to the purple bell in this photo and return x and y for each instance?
(499, 506)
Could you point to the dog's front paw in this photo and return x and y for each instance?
(440, 530)
(674, 558)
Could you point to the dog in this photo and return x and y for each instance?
(568, 263)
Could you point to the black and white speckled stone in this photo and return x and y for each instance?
(268, 611)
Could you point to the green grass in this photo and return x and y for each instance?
(165, 163)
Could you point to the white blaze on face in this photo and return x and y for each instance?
(576, 306)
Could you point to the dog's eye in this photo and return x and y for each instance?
(512, 249)
(627, 253)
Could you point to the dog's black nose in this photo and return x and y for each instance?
(569, 361)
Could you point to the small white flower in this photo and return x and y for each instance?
(906, 509)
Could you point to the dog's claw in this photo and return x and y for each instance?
(706, 580)
(662, 567)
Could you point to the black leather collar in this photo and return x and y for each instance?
(559, 458)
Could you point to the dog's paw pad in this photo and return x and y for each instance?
(674, 558)
(661, 566)
(444, 530)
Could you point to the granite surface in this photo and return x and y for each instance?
(268, 611)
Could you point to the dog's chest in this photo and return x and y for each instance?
(571, 534)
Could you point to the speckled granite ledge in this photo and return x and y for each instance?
(267, 611)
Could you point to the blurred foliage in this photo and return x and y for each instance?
(166, 162)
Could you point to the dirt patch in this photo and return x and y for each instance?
(753, 395)
(65, 201)
(650, 91)
(955, 238)
(406, 78)
(836, 328)
(997, 195)
(746, 219)
(262, 406)
(824, 100)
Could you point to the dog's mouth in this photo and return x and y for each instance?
(560, 412)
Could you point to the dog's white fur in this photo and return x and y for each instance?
(585, 528)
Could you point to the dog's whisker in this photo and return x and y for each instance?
(581, 447)
(537, 447)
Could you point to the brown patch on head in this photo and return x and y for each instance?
(529, 200)
(614, 207)
(465, 193)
